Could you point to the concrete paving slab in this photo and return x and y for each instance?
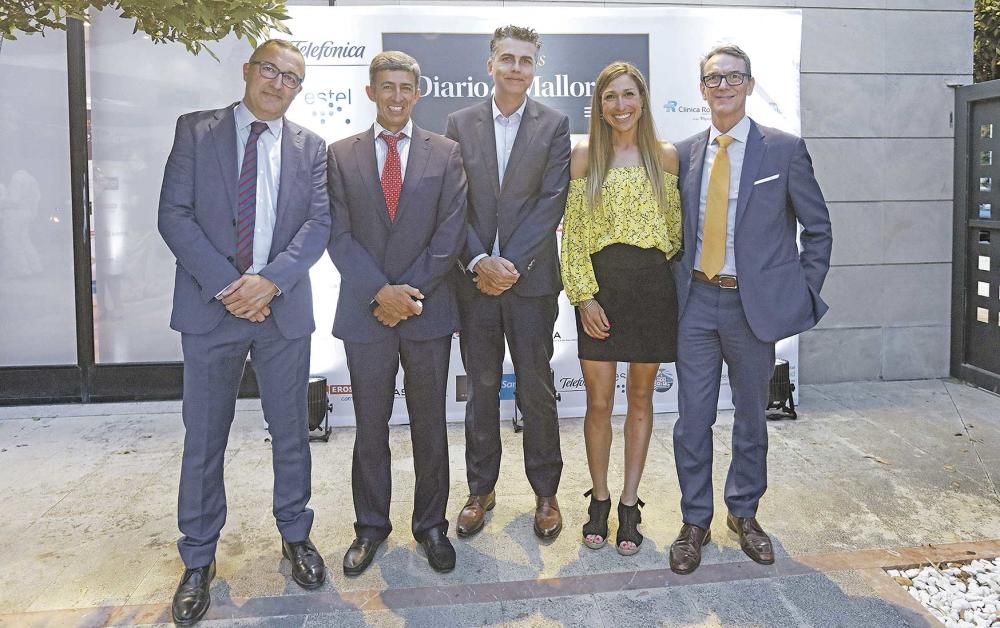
(89, 528)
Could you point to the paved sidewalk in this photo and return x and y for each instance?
(871, 475)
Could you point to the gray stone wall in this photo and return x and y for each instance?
(877, 116)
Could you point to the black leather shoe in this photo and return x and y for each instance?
(754, 541)
(685, 552)
(360, 555)
(191, 599)
(308, 569)
(440, 552)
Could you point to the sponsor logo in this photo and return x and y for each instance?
(564, 78)
(508, 385)
(339, 389)
(672, 106)
(571, 384)
(557, 337)
(330, 50)
(663, 381)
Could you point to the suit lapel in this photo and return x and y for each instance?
(488, 143)
(224, 138)
(691, 189)
(293, 167)
(364, 152)
(525, 134)
(416, 163)
(752, 159)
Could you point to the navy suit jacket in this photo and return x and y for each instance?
(419, 248)
(529, 206)
(779, 285)
(197, 219)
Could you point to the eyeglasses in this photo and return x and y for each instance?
(732, 78)
(291, 80)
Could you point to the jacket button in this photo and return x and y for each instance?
(234, 222)
(229, 258)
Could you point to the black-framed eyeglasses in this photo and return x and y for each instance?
(269, 71)
(732, 78)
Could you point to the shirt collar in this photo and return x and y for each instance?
(740, 132)
(244, 118)
(407, 129)
(518, 113)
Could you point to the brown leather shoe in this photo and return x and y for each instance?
(473, 515)
(548, 520)
(754, 541)
(685, 552)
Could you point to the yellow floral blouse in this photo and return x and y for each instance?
(630, 216)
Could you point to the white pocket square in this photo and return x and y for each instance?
(766, 179)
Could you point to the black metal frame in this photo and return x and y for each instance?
(965, 98)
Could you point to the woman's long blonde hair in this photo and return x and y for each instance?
(600, 148)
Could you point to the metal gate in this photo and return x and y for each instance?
(975, 313)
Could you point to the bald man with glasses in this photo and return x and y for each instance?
(244, 208)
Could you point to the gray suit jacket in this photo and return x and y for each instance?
(197, 219)
(529, 206)
(419, 248)
(779, 285)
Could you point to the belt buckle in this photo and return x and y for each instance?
(727, 282)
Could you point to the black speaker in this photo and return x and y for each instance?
(319, 410)
(781, 389)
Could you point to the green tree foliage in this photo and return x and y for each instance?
(986, 41)
(189, 22)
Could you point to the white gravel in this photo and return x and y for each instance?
(961, 595)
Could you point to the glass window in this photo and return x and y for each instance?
(137, 92)
(37, 308)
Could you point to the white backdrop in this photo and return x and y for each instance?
(339, 42)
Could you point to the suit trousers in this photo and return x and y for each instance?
(373, 367)
(213, 367)
(527, 324)
(714, 328)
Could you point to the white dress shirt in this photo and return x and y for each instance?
(402, 147)
(505, 132)
(736, 151)
(268, 180)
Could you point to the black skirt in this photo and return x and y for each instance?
(636, 290)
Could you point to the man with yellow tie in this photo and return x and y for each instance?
(743, 284)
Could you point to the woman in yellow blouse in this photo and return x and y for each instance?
(622, 225)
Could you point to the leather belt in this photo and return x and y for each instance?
(723, 281)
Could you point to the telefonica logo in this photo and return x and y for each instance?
(320, 50)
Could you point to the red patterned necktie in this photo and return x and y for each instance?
(247, 217)
(392, 177)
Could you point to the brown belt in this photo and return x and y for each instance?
(723, 281)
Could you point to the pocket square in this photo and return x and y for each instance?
(766, 179)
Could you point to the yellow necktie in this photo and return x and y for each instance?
(713, 244)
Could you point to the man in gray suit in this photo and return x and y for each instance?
(516, 155)
(244, 209)
(397, 197)
(742, 284)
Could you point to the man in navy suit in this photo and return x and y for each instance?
(244, 209)
(516, 155)
(743, 284)
(397, 195)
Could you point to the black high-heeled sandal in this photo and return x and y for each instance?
(598, 524)
(629, 519)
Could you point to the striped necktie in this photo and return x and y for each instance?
(247, 216)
